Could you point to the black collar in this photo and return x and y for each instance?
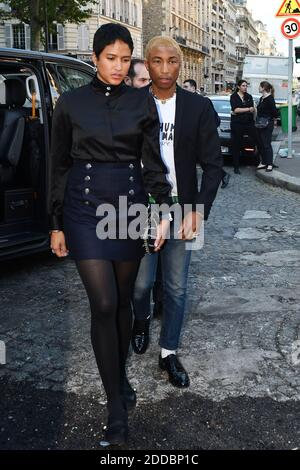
(106, 87)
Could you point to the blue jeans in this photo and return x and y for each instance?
(175, 261)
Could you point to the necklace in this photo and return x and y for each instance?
(162, 100)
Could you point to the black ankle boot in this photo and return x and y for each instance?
(128, 394)
(116, 430)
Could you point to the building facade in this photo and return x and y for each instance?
(182, 20)
(78, 39)
(267, 44)
(231, 61)
(247, 36)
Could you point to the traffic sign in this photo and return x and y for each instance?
(289, 8)
(290, 28)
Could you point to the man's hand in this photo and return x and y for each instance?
(58, 244)
(161, 234)
(190, 225)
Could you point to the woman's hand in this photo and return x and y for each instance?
(252, 109)
(190, 226)
(58, 244)
(161, 234)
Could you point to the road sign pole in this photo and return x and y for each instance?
(290, 103)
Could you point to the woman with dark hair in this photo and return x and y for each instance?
(100, 134)
(242, 120)
(266, 115)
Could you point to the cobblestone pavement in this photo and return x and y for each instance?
(241, 336)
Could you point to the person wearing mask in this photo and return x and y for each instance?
(100, 134)
(242, 120)
(267, 114)
(184, 118)
(138, 75)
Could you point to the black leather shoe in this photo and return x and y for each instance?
(140, 336)
(177, 374)
(225, 180)
(237, 171)
(128, 394)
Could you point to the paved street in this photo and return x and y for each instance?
(241, 342)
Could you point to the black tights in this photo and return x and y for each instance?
(109, 286)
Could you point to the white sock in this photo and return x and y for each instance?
(166, 352)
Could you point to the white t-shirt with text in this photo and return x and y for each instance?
(166, 112)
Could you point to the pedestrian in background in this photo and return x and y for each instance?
(138, 76)
(190, 85)
(267, 113)
(242, 121)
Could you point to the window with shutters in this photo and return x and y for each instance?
(8, 35)
(18, 36)
(121, 10)
(113, 9)
(53, 41)
(135, 15)
(126, 11)
(27, 36)
(83, 37)
(60, 37)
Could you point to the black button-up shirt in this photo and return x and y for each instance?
(104, 123)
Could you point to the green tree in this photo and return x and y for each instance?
(33, 12)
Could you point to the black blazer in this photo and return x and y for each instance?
(196, 141)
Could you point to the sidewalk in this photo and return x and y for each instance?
(288, 173)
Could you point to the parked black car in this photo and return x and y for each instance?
(30, 84)
(222, 106)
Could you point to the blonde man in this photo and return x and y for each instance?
(188, 136)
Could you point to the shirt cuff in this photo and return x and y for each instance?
(56, 222)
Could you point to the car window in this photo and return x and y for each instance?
(63, 78)
(222, 106)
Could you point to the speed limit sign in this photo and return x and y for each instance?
(290, 28)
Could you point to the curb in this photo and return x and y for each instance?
(277, 178)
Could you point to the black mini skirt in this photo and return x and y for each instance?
(91, 188)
